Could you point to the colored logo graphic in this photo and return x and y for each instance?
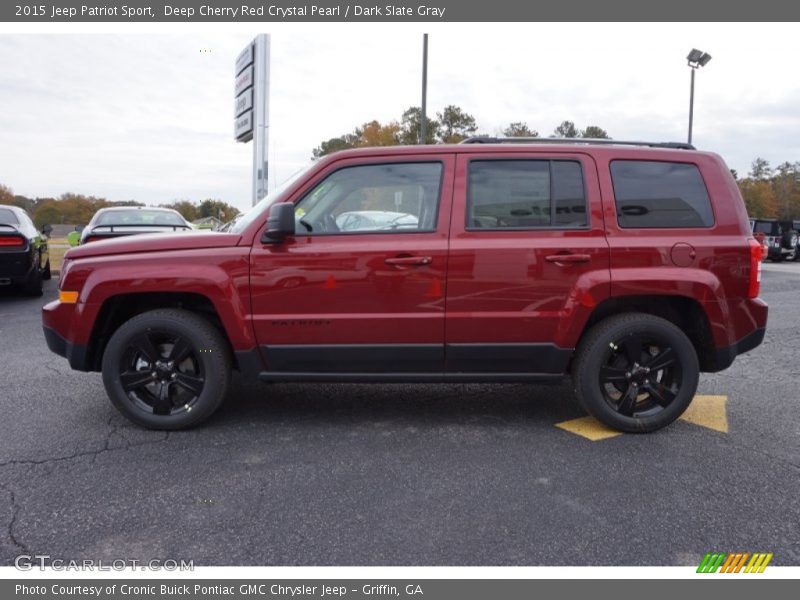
(735, 562)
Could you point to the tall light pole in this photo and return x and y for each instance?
(423, 123)
(695, 59)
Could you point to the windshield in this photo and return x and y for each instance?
(245, 219)
(140, 217)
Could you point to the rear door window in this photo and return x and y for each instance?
(657, 194)
(525, 194)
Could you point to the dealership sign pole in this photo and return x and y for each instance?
(251, 108)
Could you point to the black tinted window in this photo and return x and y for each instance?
(660, 194)
(8, 217)
(768, 227)
(522, 194)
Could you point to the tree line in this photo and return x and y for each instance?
(78, 209)
(767, 192)
(771, 192)
(449, 126)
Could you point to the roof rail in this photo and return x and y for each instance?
(603, 141)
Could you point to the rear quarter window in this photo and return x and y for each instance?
(8, 217)
(659, 194)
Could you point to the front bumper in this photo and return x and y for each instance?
(76, 354)
(58, 322)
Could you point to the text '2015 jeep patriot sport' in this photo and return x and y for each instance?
(630, 266)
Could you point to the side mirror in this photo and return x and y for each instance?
(46, 229)
(279, 224)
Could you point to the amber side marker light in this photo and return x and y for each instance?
(68, 297)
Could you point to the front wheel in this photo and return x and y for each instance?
(635, 372)
(167, 369)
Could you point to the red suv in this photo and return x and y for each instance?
(629, 266)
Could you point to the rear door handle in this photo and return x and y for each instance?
(568, 258)
(409, 261)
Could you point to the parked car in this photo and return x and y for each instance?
(121, 221)
(630, 267)
(24, 255)
(780, 239)
(793, 227)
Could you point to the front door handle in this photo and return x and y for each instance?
(568, 258)
(409, 261)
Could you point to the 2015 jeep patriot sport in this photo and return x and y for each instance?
(629, 266)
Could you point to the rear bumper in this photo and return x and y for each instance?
(75, 354)
(751, 324)
(15, 267)
(725, 356)
(775, 253)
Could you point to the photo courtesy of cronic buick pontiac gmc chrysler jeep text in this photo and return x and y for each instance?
(630, 267)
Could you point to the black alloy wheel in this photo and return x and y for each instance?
(167, 369)
(641, 376)
(635, 372)
(161, 374)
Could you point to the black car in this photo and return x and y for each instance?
(24, 257)
(130, 220)
(779, 237)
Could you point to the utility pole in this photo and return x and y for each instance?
(423, 125)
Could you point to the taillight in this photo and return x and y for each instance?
(11, 241)
(755, 269)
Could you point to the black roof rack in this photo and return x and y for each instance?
(603, 141)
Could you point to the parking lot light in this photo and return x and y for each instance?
(695, 59)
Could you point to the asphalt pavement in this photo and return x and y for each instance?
(315, 474)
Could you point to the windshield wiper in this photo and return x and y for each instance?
(306, 224)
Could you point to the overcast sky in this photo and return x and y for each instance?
(149, 116)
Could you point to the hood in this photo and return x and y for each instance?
(154, 242)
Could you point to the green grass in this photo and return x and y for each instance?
(57, 248)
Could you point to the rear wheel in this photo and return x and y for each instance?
(167, 369)
(635, 372)
(47, 275)
(33, 286)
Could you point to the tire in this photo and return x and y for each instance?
(622, 355)
(167, 369)
(33, 287)
(47, 275)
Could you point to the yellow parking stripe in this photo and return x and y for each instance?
(706, 411)
(589, 428)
